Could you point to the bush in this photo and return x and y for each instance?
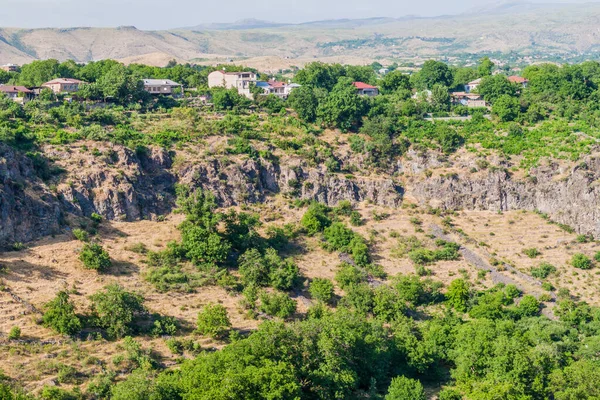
(96, 218)
(316, 218)
(543, 270)
(93, 256)
(115, 309)
(348, 275)
(403, 388)
(277, 304)
(213, 321)
(81, 235)
(581, 261)
(532, 252)
(529, 306)
(15, 333)
(321, 289)
(60, 315)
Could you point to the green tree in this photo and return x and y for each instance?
(60, 315)
(440, 98)
(305, 102)
(394, 81)
(93, 256)
(213, 321)
(321, 289)
(118, 84)
(485, 67)
(277, 304)
(432, 73)
(320, 75)
(343, 108)
(403, 388)
(494, 87)
(39, 72)
(529, 306)
(458, 295)
(115, 310)
(316, 218)
(506, 108)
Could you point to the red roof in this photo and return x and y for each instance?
(362, 85)
(13, 89)
(276, 84)
(517, 79)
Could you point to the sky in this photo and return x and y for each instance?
(161, 14)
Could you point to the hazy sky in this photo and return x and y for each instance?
(161, 14)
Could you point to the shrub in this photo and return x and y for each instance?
(60, 315)
(543, 270)
(529, 306)
(81, 235)
(597, 256)
(96, 218)
(581, 261)
(532, 252)
(316, 218)
(360, 298)
(14, 333)
(321, 289)
(93, 256)
(213, 321)
(115, 309)
(277, 304)
(348, 275)
(403, 388)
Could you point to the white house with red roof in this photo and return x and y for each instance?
(364, 89)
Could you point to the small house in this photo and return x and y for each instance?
(229, 80)
(9, 67)
(518, 80)
(64, 85)
(363, 89)
(471, 100)
(20, 94)
(469, 87)
(161, 86)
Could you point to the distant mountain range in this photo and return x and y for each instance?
(561, 30)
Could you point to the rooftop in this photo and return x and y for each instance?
(13, 89)
(62, 80)
(160, 82)
(362, 85)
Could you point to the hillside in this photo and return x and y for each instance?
(555, 31)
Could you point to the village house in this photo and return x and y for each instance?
(20, 94)
(470, 100)
(363, 89)
(64, 85)
(161, 86)
(469, 87)
(277, 88)
(9, 67)
(519, 80)
(233, 80)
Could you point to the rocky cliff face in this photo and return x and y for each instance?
(570, 196)
(124, 185)
(121, 184)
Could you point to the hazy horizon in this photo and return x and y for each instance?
(154, 15)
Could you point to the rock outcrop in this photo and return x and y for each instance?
(570, 196)
(121, 184)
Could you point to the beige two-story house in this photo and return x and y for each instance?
(241, 81)
(64, 85)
